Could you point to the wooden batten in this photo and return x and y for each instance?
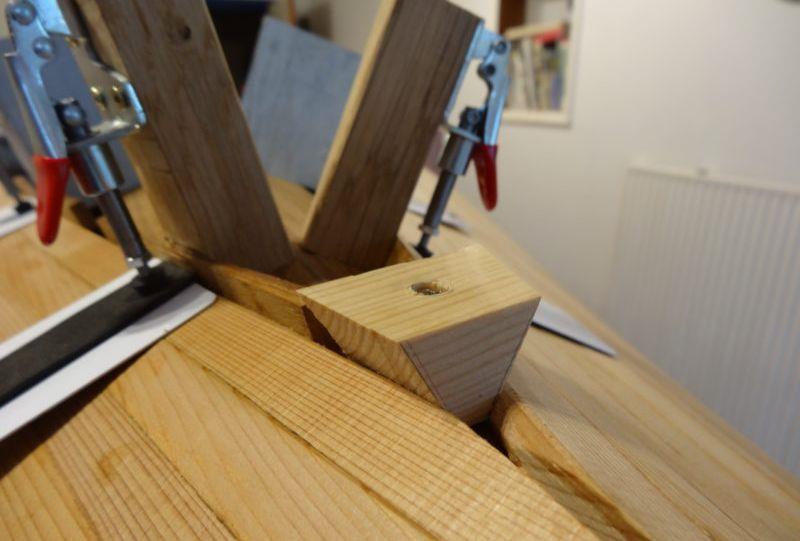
(195, 156)
(407, 75)
(446, 328)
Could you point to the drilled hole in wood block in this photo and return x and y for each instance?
(433, 287)
(451, 345)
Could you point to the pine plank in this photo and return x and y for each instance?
(422, 461)
(260, 479)
(65, 475)
(713, 488)
(338, 429)
(32, 285)
(406, 77)
(98, 477)
(574, 441)
(195, 156)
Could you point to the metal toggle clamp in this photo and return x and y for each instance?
(64, 137)
(475, 137)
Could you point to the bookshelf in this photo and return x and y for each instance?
(542, 34)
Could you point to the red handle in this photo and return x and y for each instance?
(51, 183)
(485, 158)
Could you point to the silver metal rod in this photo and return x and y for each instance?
(454, 163)
(436, 208)
(136, 255)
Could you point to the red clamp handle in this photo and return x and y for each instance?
(52, 175)
(485, 158)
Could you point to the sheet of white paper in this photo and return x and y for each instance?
(101, 359)
(10, 221)
(555, 319)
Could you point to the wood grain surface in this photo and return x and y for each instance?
(446, 328)
(239, 420)
(614, 440)
(404, 83)
(621, 446)
(85, 470)
(195, 156)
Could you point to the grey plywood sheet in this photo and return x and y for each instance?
(293, 98)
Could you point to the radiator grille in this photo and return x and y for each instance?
(706, 282)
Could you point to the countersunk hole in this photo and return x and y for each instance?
(185, 33)
(429, 288)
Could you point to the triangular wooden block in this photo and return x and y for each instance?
(446, 328)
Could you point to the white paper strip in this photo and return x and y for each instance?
(556, 319)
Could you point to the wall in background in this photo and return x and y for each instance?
(345, 22)
(711, 85)
(708, 85)
(656, 81)
(546, 10)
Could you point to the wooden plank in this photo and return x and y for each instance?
(259, 478)
(64, 475)
(195, 156)
(446, 328)
(232, 382)
(419, 459)
(97, 476)
(407, 75)
(164, 427)
(663, 462)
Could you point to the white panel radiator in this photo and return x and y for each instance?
(707, 283)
